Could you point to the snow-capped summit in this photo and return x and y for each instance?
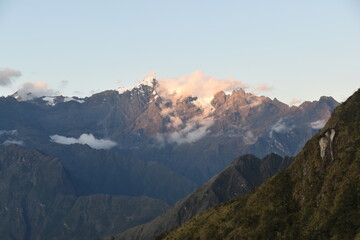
(149, 81)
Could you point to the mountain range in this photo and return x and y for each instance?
(317, 197)
(191, 136)
(137, 147)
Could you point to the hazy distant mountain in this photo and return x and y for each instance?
(194, 137)
(317, 197)
(38, 201)
(240, 177)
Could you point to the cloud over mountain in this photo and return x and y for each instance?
(30, 90)
(196, 84)
(87, 139)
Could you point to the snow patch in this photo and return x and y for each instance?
(50, 101)
(68, 99)
(149, 81)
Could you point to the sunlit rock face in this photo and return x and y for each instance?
(149, 122)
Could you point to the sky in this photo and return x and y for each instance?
(291, 50)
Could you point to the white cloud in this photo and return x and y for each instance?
(318, 124)
(8, 132)
(30, 90)
(87, 139)
(191, 136)
(192, 132)
(295, 102)
(174, 90)
(7, 76)
(261, 88)
(280, 127)
(197, 84)
(249, 138)
(16, 142)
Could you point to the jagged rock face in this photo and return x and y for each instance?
(172, 130)
(326, 149)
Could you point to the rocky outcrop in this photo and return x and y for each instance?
(326, 148)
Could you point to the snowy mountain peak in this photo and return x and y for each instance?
(149, 81)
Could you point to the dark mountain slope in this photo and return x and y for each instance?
(243, 175)
(38, 201)
(108, 172)
(317, 197)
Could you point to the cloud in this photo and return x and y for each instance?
(87, 139)
(151, 75)
(10, 142)
(8, 75)
(280, 127)
(175, 121)
(173, 90)
(261, 88)
(192, 132)
(194, 135)
(295, 102)
(63, 84)
(249, 138)
(8, 132)
(196, 84)
(318, 124)
(30, 90)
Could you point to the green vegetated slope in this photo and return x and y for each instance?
(38, 201)
(240, 177)
(315, 198)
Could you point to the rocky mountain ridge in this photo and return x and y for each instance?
(317, 197)
(164, 125)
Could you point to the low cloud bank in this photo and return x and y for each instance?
(87, 139)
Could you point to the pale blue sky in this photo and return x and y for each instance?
(302, 49)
